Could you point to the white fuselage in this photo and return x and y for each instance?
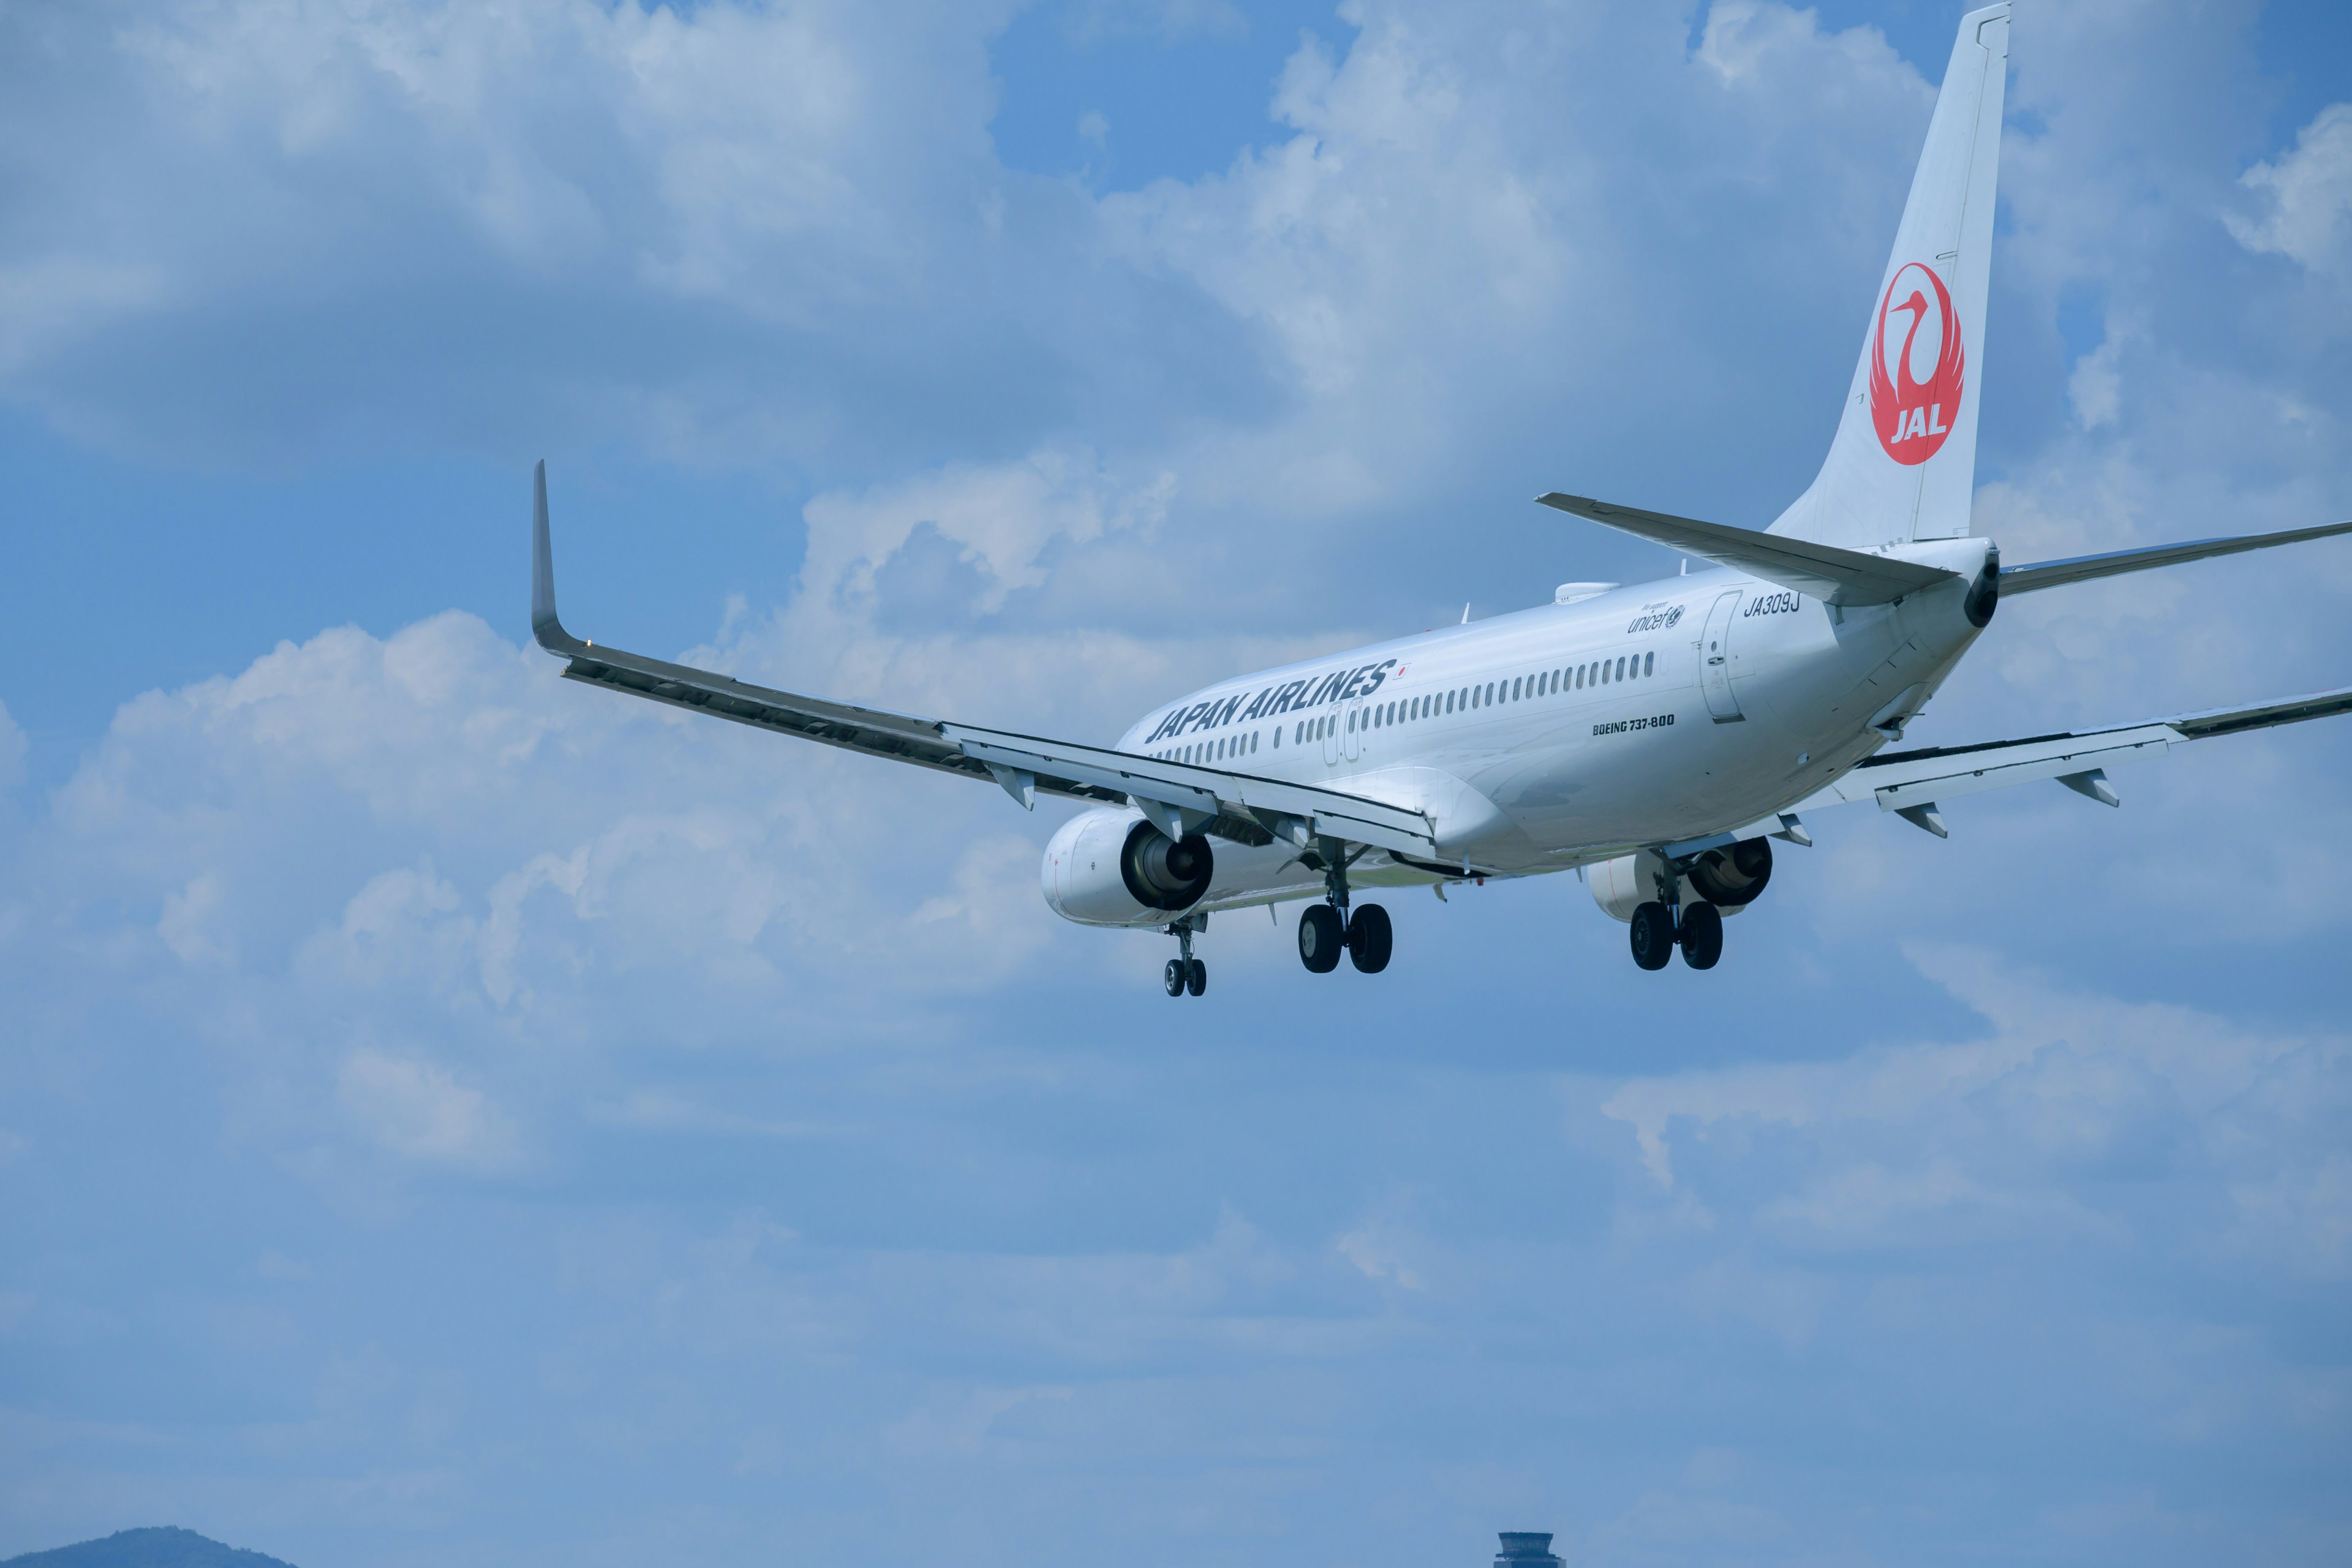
(1555, 737)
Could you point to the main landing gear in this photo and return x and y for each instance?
(1186, 973)
(1656, 934)
(1325, 930)
(1666, 922)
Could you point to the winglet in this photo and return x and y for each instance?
(544, 625)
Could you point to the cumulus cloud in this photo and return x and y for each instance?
(2305, 198)
(417, 1110)
(2061, 1119)
(869, 1167)
(14, 748)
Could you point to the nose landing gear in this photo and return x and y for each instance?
(1184, 971)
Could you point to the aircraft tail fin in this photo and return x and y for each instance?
(1902, 465)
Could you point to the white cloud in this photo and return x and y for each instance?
(2025, 1130)
(418, 1111)
(479, 917)
(190, 926)
(13, 749)
(2305, 197)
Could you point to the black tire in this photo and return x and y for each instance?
(1319, 938)
(1370, 938)
(1198, 980)
(1174, 978)
(1702, 935)
(1654, 936)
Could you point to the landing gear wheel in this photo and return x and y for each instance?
(1370, 938)
(1174, 978)
(1319, 938)
(1197, 980)
(1702, 935)
(1653, 935)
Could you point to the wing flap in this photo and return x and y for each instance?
(1209, 792)
(1909, 779)
(1825, 572)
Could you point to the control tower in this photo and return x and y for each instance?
(1527, 1548)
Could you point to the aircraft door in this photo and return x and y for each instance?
(1352, 729)
(1331, 723)
(1715, 660)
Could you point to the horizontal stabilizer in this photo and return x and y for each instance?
(1826, 572)
(2083, 568)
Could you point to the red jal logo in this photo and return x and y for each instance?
(1913, 416)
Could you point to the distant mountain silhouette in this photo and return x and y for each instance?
(166, 1548)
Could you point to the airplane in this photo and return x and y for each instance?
(1657, 738)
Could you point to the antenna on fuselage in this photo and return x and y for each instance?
(1465, 615)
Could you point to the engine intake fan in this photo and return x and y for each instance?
(1732, 874)
(1163, 873)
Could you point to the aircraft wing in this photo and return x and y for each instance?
(1824, 571)
(1180, 798)
(1912, 782)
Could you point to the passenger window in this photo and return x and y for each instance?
(1649, 664)
(1621, 669)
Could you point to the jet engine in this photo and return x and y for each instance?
(1729, 877)
(1110, 867)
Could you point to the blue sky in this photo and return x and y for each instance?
(448, 1116)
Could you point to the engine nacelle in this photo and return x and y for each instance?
(1729, 877)
(1733, 876)
(1113, 869)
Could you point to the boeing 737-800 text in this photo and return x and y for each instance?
(1657, 737)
